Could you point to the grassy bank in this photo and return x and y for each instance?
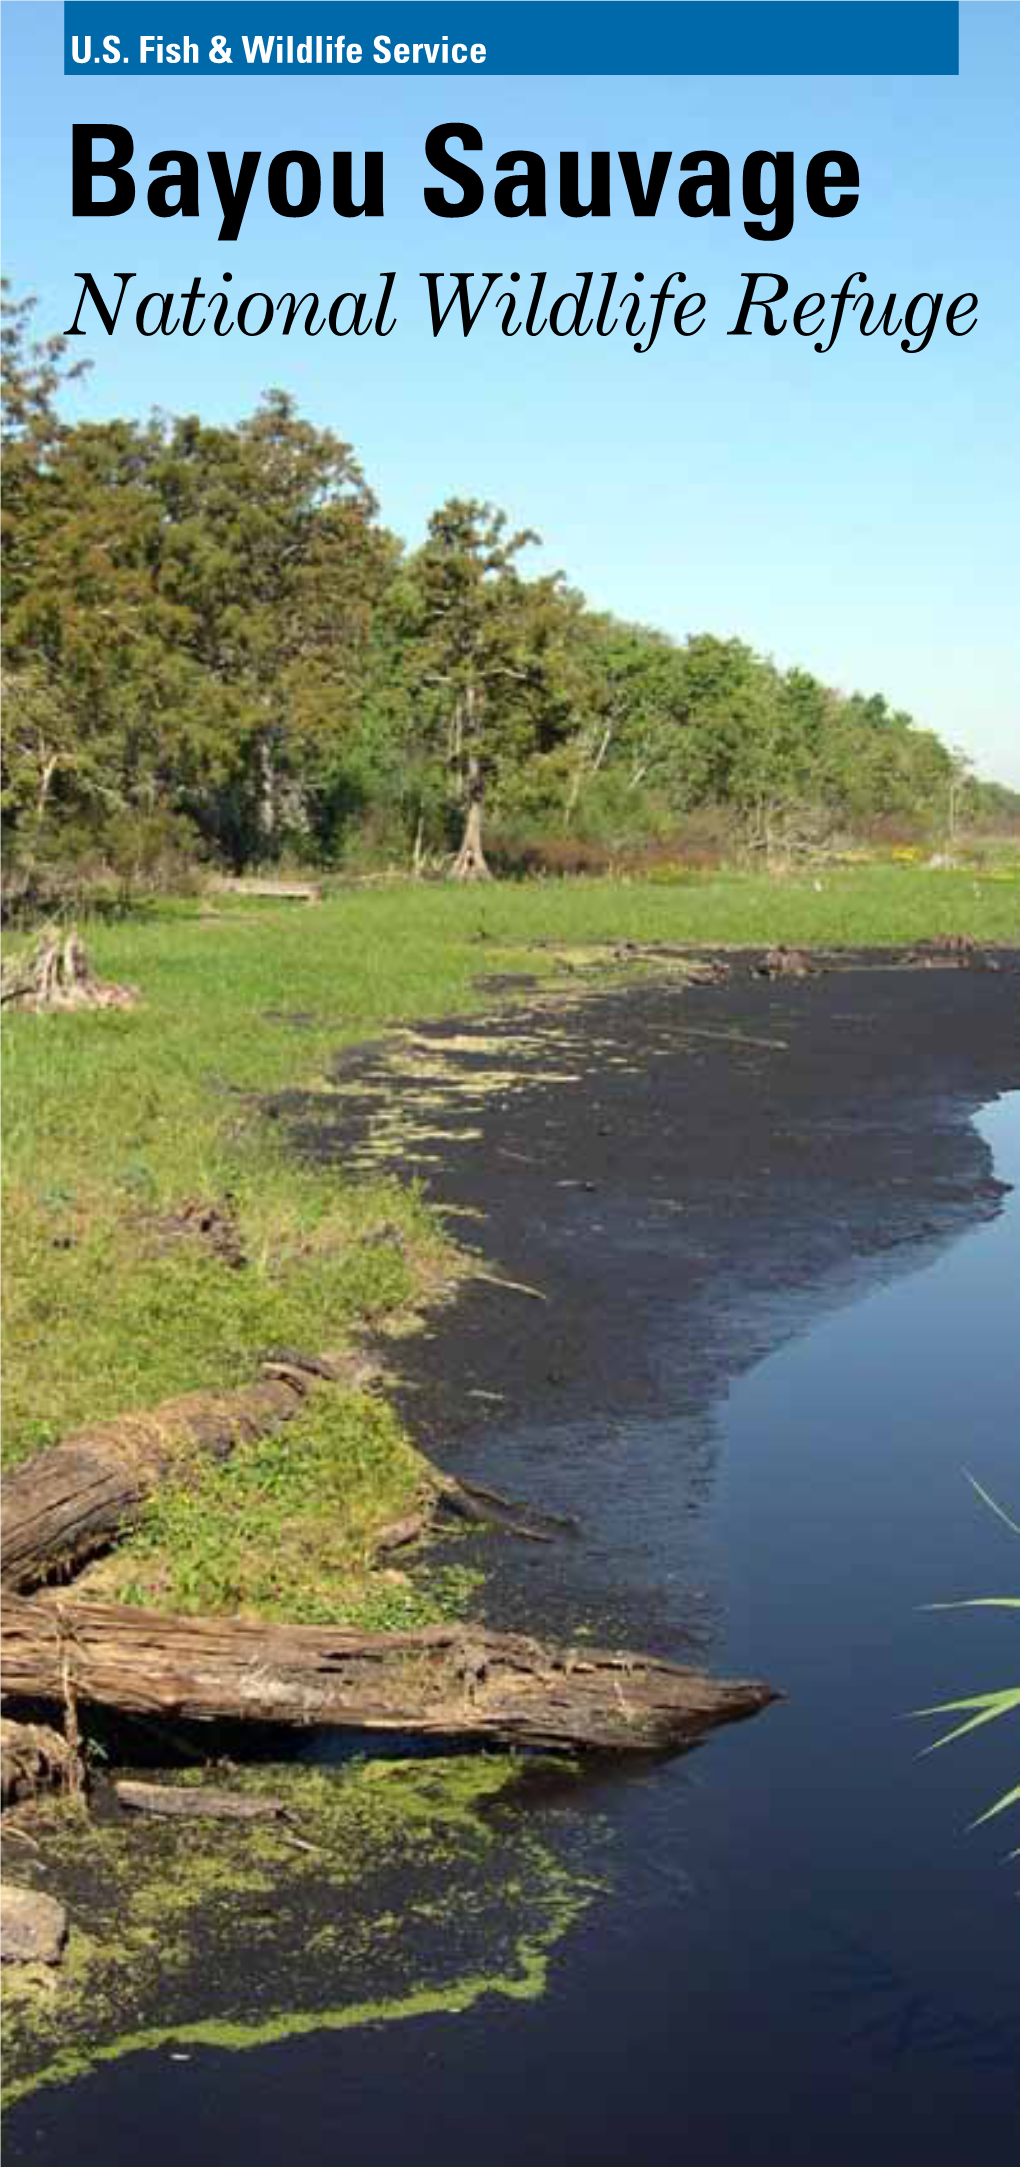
(119, 1124)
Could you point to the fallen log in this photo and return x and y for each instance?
(449, 1681)
(34, 1758)
(71, 1501)
(268, 890)
(197, 1802)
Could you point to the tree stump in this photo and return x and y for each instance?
(56, 974)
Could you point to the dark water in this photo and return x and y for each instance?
(804, 1954)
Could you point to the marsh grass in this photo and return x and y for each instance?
(977, 1709)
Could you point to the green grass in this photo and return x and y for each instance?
(115, 1120)
(102, 1319)
(284, 1530)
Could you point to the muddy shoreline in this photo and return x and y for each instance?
(721, 1166)
(727, 1162)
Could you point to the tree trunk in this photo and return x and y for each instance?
(447, 1681)
(584, 771)
(50, 764)
(469, 863)
(267, 789)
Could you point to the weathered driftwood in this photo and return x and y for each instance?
(446, 1680)
(66, 1504)
(953, 952)
(57, 974)
(33, 1927)
(787, 963)
(470, 1504)
(267, 890)
(197, 1802)
(34, 1758)
(695, 970)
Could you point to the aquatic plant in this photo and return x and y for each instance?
(391, 1890)
(980, 1708)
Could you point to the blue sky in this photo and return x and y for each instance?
(855, 512)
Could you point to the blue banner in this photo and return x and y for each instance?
(503, 37)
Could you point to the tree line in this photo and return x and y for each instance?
(213, 643)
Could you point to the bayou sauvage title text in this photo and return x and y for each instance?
(104, 185)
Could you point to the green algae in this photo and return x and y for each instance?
(393, 1889)
(414, 1076)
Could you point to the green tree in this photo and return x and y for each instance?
(211, 622)
(479, 636)
(270, 548)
